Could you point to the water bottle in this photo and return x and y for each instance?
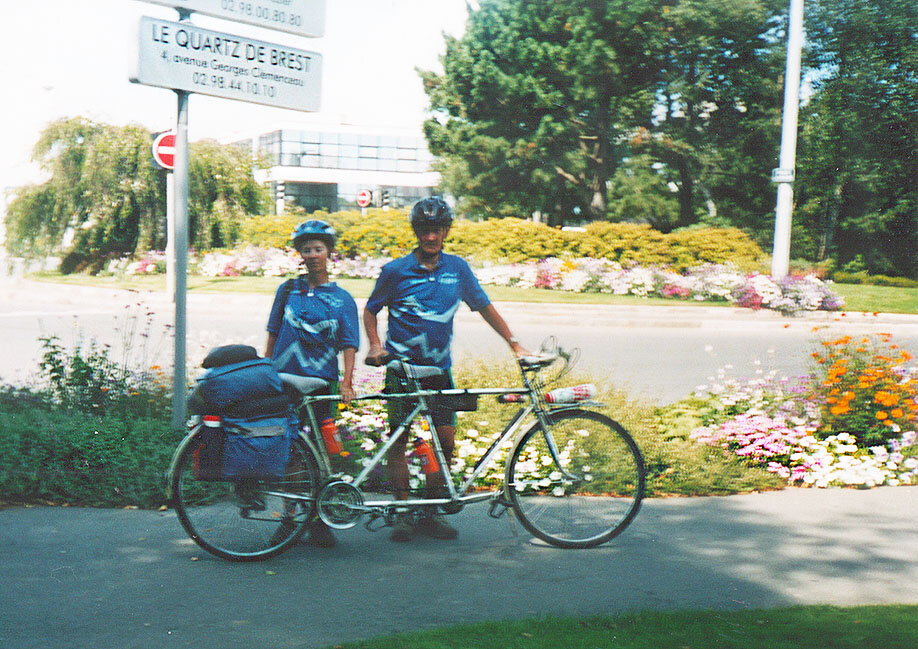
(425, 453)
(330, 436)
(572, 394)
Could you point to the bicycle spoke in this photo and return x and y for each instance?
(249, 519)
(587, 491)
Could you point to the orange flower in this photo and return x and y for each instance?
(881, 415)
(896, 412)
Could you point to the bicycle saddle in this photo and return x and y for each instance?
(303, 384)
(415, 371)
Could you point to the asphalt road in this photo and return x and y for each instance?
(659, 353)
(119, 578)
(83, 578)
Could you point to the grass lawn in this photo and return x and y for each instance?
(809, 627)
(883, 299)
(858, 297)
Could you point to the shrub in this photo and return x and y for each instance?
(86, 378)
(269, 231)
(382, 233)
(861, 277)
(98, 460)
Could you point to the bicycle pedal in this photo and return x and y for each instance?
(498, 508)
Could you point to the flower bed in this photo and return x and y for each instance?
(851, 422)
(715, 282)
(709, 282)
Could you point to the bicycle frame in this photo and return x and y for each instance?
(512, 430)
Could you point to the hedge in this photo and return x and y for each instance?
(57, 455)
(387, 233)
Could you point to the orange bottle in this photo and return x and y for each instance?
(423, 451)
(330, 436)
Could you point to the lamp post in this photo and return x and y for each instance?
(783, 176)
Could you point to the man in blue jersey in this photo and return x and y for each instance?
(423, 291)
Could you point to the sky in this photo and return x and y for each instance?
(68, 58)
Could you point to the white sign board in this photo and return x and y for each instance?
(780, 175)
(301, 17)
(181, 56)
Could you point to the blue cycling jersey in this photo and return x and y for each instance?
(422, 304)
(312, 325)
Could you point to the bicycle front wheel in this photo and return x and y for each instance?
(577, 483)
(246, 520)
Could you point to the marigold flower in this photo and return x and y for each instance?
(881, 415)
(896, 412)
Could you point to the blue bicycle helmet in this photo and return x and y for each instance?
(431, 211)
(314, 229)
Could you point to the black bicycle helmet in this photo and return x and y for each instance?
(314, 229)
(431, 211)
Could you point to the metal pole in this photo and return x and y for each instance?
(784, 175)
(170, 235)
(180, 248)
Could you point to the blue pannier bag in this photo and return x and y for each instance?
(223, 387)
(246, 448)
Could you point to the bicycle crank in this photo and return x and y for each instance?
(340, 505)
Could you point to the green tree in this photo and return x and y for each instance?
(857, 190)
(537, 100)
(716, 122)
(104, 197)
(221, 192)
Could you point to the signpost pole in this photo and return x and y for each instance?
(180, 247)
(780, 258)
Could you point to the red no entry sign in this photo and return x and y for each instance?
(364, 197)
(164, 150)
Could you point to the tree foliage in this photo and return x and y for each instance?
(717, 118)
(536, 100)
(104, 197)
(857, 189)
(555, 106)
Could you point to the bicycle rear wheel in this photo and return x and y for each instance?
(246, 520)
(578, 484)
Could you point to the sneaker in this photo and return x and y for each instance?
(401, 532)
(320, 535)
(283, 531)
(436, 527)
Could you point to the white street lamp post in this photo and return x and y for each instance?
(784, 174)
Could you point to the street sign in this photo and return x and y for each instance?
(301, 17)
(780, 175)
(364, 197)
(164, 150)
(182, 56)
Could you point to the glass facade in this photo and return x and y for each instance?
(350, 152)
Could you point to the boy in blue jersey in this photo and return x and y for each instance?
(311, 321)
(423, 291)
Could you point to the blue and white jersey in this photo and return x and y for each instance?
(422, 304)
(312, 325)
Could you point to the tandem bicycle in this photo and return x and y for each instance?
(573, 477)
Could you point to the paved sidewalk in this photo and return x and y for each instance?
(82, 578)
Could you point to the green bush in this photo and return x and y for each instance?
(862, 277)
(511, 240)
(58, 455)
(268, 231)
